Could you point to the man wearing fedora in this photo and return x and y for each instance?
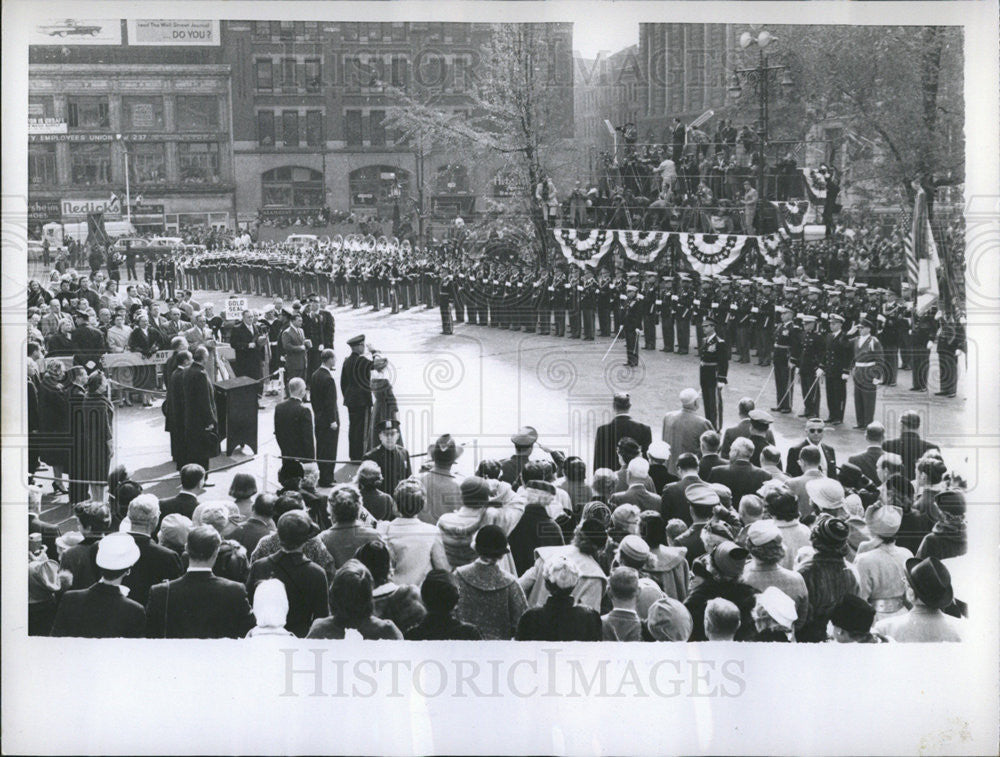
(103, 611)
(930, 588)
(441, 484)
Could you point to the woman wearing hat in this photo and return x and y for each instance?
(459, 528)
(764, 542)
(723, 577)
(399, 603)
(589, 541)
(440, 594)
(948, 537)
(881, 563)
(667, 565)
(490, 598)
(851, 622)
(385, 407)
(46, 584)
(562, 617)
(931, 591)
(352, 607)
(827, 575)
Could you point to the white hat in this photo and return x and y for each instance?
(117, 551)
(778, 605)
(689, 397)
(561, 572)
(638, 467)
(763, 532)
(826, 493)
(659, 450)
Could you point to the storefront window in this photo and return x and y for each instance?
(198, 162)
(42, 163)
(88, 113)
(143, 113)
(146, 162)
(378, 186)
(197, 113)
(90, 163)
(292, 187)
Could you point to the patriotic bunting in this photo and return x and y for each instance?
(815, 183)
(792, 215)
(642, 246)
(711, 254)
(584, 247)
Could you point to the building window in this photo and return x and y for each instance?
(88, 112)
(451, 179)
(400, 73)
(265, 128)
(262, 29)
(290, 128)
(292, 187)
(197, 113)
(378, 187)
(314, 128)
(146, 163)
(459, 32)
(350, 32)
(376, 128)
(398, 32)
(143, 112)
(313, 78)
(198, 162)
(265, 74)
(286, 30)
(42, 163)
(90, 163)
(352, 127)
(41, 107)
(288, 73)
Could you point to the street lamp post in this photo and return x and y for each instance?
(128, 197)
(759, 77)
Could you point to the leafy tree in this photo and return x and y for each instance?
(519, 106)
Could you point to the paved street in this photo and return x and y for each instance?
(481, 384)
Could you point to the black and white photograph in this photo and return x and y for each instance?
(487, 329)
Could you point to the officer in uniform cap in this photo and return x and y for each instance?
(392, 459)
(786, 350)
(650, 311)
(684, 309)
(713, 370)
(837, 355)
(760, 425)
(867, 368)
(665, 304)
(809, 362)
(445, 294)
(764, 323)
(635, 310)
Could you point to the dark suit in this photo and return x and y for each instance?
(323, 393)
(249, 355)
(793, 469)
(734, 432)
(293, 347)
(741, 476)
(607, 438)
(673, 503)
(198, 605)
(637, 495)
(251, 531)
(911, 448)
(200, 417)
(707, 462)
(155, 564)
(867, 461)
(100, 612)
(173, 409)
(356, 386)
(293, 428)
(305, 584)
(183, 503)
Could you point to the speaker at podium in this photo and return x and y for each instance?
(236, 403)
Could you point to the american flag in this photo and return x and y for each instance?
(922, 261)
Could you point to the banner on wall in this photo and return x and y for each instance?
(713, 254)
(173, 32)
(643, 246)
(815, 183)
(792, 216)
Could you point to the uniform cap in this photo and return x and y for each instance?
(359, 339)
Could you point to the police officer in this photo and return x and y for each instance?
(546, 292)
(837, 355)
(742, 317)
(588, 305)
(573, 291)
(786, 346)
(950, 341)
(651, 311)
(684, 309)
(605, 303)
(666, 303)
(714, 367)
(445, 294)
(763, 323)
